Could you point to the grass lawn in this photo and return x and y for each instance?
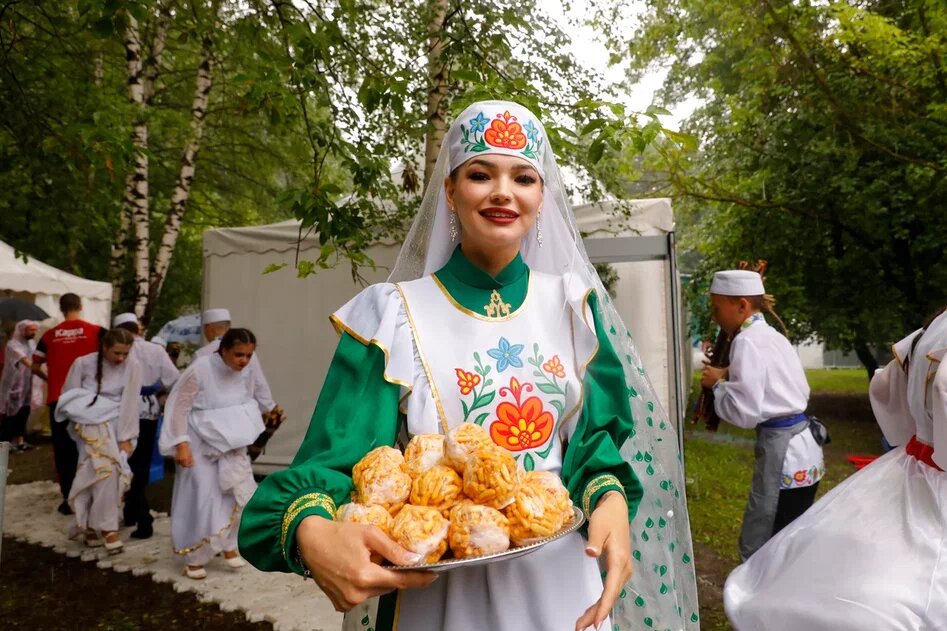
(719, 468)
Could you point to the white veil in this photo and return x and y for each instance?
(662, 594)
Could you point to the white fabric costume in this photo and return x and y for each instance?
(662, 592)
(261, 387)
(872, 553)
(212, 407)
(156, 368)
(98, 423)
(766, 382)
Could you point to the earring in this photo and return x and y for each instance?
(453, 225)
(539, 230)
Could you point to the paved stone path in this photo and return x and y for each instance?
(285, 600)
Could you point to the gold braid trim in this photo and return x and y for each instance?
(206, 540)
(300, 504)
(595, 485)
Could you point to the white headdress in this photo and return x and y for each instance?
(737, 282)
(662, 593)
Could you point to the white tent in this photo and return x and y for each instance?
(289, 315)
(43, 285)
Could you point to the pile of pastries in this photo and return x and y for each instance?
(460, 491)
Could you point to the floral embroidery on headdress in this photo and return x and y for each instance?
(504, 132)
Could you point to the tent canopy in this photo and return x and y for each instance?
(43, 285)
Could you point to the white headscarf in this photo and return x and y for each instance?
(663, 592)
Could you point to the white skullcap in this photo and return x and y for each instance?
(215, 315)
(737, 282)
(159, 341)
(124, 318)
(499, 127)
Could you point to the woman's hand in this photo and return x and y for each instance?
(338, 555)
(609, 534)
(183, 455)
(127, 447)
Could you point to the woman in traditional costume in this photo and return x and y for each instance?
(492, 315)
(871, 553)
(209, 419)
(100, 402)
(16, 385)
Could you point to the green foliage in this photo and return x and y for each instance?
(823, 131)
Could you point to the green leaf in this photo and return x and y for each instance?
(481, 418)
(548, 388)
(274, 267)
(528, 462)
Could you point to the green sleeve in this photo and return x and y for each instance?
(356, 411)
(593, 464)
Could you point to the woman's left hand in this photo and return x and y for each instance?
(609, 534)
(126, 446)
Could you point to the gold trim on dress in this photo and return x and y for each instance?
(427, 369)
(595, 485)
(341, 327)
(580, 375)
(304, 502)
(486, 318)
(206, 540)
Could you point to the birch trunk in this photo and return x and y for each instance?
(437, 91)
(182, 189)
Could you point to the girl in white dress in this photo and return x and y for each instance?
(872, 553)
(210, 418)
(100, 403)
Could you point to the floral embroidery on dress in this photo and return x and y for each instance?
(466, 380)
(506, 355)
(521, 425)
(504, 132)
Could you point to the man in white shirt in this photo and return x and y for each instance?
(765, 388)
(216, 322)
(158, 374)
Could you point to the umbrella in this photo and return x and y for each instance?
(185, 330)
(16, 310)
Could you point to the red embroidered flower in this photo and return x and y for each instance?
(505, 132)
(554, 367)
(523, 425)
(799, 476)
(466, 380)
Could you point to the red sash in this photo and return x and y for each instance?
(922, 452)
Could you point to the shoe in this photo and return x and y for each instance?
(64, 508)
(235, 562)
(24, 446)
(113, 544)
(195, 573)
(92, 539)
(143, 532)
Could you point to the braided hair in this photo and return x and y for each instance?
(236, 336)
(917, 338)
(110, 339)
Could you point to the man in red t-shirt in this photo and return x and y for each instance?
(58, 348)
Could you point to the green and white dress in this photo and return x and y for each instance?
(523, 355)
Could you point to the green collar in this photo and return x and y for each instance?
(472, 287)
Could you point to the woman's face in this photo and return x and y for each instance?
(238, 356)
(117, 353)
(497, 199)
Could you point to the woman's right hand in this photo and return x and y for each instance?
(338, 555)
(183, 455)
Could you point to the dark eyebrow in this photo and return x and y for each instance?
(492, 165)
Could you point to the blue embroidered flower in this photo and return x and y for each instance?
(532, 132)
(479, 123)
(506, 355)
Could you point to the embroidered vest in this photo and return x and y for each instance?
(514, 372)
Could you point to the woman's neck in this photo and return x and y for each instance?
(492, 260)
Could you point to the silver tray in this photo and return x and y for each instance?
(450, 564)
